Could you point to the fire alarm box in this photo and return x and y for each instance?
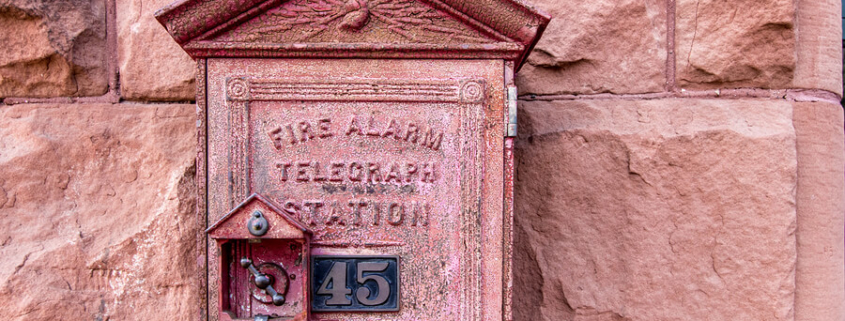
(379, 131)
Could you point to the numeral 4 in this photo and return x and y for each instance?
(339, 291)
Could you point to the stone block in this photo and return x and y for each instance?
(97, 212)
(733, 44)
(820, 278)
(598, 47)
(675, 209)
(53, 48)
(819, 47)
(152, 66)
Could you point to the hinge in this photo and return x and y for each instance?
(511, 110)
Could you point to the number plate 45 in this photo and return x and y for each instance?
(355, 283)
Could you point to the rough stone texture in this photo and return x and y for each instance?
(152, 66)
(820, 278)
(97, 208)
(744, 43)
(53, 48)
(678, 209)
(819, 47)
(597, 47)
(681, 209)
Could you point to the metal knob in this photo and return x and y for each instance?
(264, 282)
(257, 224)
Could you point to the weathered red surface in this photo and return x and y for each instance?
(283, 253)
(398, 157)
(503, 29)
(375, 156)
(508, 191)
(203, 243)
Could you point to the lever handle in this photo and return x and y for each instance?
(263, 281)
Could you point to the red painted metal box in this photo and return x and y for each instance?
(355, 157)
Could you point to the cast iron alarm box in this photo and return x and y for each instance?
(378, 134)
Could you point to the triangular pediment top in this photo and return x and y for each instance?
(233, 225)
(505, 29)
(356, 22)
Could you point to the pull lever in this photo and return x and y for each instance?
(264, 282)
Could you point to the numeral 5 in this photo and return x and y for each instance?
(363, 293)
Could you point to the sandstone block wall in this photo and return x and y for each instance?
(677, 160)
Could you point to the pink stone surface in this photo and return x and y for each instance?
(53, 48)
(96, 212)
(745, 43)
(631, 205)
(819, 47)
(819, 276)
(599, 47)
(152, 66)
(677, 209)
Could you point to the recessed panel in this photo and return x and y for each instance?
(377, 160)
